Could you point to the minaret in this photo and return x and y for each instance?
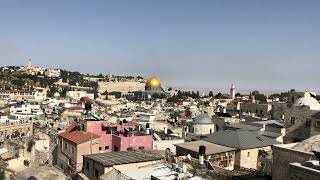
(29, 63)
(232, 92)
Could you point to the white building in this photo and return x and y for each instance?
(38, 94)
(77, 95)
(147, 117)
(20, 108)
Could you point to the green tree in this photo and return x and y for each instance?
(218, 96)
(260, 97)
(210, 94)
(175, 115)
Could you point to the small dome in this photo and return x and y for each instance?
(202, 119)
(308, 101)
(153, 82)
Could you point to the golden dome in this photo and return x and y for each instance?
(153, 82)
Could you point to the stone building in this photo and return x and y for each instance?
(19, 95)
(72, 145)
(166, 140)
(216, 155)
(123, 87)
(252, 149)
(299, 118)
(97, 165)
(254, 109)
(309, 170)
(289, 160)
(77, 95)
(314, 124)
(14, 128)
(202, 125)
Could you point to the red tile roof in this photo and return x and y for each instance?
(76, 108)
(72, 127)
(86, 99)
(78, 137)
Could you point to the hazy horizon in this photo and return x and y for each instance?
(264, 45)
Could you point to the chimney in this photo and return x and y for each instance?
(202, 152)
(148, 128)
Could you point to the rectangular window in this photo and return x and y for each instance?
(100, 148)
(308, 123)
(129, 149)
(96, 173)
(106, 147)
(317, 124)
(248, 155)
(115, 148)
(292, 120)
(65, 146)
(141, 147)
(87, 165)
(72, 150)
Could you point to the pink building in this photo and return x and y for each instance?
(73, 144)
(116, 137)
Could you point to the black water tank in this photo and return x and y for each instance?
(87, 106)
(202, 150)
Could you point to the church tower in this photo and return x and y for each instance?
(232, 92)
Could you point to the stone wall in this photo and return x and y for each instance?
(282, 157)
(297, 129)
(298, 172)
(164, 144)
(203, 129)
(248, 158)
(260, 110)
(123, 87)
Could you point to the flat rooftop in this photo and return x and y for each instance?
(124, 157)
(210, 147)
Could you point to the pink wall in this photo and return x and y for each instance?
(120, 141)
(136, 141)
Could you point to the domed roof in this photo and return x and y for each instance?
(308, 101)
(202, 119)
(153, 82)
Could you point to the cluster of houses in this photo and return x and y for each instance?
(150, 138)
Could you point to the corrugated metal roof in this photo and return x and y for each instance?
(124, 157)
(240, 139)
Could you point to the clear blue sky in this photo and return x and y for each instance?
(200, 43)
